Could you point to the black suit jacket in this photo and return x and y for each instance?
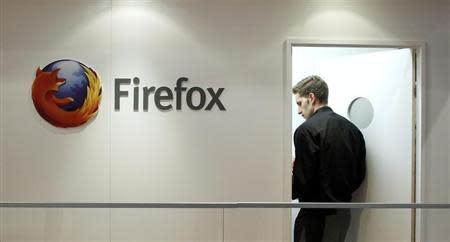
(329, 158)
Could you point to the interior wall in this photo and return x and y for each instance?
(235, 155)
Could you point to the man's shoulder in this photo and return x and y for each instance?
(307, 127)
(307, 124)
(343, 120)
(328, 118)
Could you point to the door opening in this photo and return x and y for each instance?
(375, 88)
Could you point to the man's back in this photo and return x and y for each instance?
(330, 158)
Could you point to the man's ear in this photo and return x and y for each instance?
(312, 97)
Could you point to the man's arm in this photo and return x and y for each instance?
(304, 178)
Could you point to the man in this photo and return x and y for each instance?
(329, 164)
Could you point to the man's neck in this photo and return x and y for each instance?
(317, 107)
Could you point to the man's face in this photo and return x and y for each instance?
(305, 106)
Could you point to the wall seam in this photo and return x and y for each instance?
(110, 115)
(1, 119)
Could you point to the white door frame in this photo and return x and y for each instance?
(418, 105)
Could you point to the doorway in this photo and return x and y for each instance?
(376, 88)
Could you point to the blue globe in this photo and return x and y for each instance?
(76, 81)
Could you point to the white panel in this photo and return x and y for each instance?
(55, 224)
(195, 155)
(390, 225)
(41, 162)
(253, 224)
(159, 225)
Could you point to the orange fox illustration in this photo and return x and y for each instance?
(46, 84)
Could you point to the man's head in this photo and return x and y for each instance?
(311, 93)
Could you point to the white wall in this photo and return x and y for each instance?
(235, 155)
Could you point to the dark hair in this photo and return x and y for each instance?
(312, 84)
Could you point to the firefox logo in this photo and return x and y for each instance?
(66, 93)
